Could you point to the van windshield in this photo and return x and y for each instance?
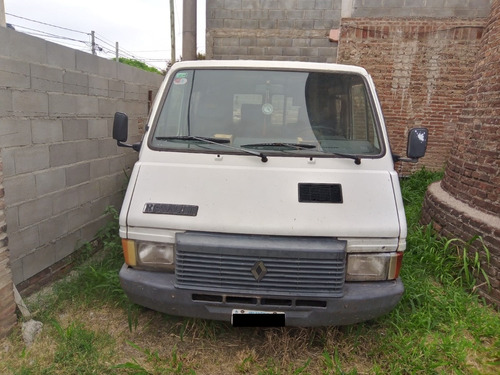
(285, 112)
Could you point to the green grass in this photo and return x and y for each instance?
(439, 327)
(171, 364)
(439, 322)
(78, 349)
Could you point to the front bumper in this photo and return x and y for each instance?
(361, 300)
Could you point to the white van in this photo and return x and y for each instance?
(265, 194)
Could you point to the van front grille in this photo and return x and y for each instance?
(262, 265)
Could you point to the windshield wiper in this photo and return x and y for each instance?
(294, 146)
(214, 141)
(356, 158)
(302, 146)
(188, 138)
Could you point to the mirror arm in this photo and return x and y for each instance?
(397, 158)
(121, 144)
(409, 160)
(135, 146)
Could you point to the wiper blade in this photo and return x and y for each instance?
(215, 141)
(302, 146)
(356, 158)
(188, 138)
(295, 146)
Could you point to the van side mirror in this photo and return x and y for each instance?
(416, 146)
(120, 127)
(417, 143)
(120, 131)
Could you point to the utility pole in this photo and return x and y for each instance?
(172, 33)
(346, 10)
(117, 55)
(92, 35)
(189, 30)
(2, 14)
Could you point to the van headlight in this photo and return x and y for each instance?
(149, 254)
(373, 266)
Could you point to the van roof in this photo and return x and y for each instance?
(273, 65)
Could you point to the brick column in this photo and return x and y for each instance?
(467, 201)
(7, 303)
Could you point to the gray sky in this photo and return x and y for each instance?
(139, 26)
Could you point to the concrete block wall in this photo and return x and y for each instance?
(7, 304)
(299, 29)
(61, 167)
(272, 29)
(420, 8)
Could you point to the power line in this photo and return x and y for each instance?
(105, 46)
(105, 40)
(48, 35)
(151, 51)
(122, 50)
(47, 24)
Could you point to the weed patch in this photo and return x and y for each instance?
(79, 349)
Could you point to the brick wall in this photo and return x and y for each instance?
(473, 171)
(272, 29)
(467, 201)
(421, 68)
(7, 304)
(61, 167)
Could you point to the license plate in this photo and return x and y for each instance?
(252, 318)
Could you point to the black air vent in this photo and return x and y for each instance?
(320, 193)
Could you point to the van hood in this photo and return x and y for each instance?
(285, 196)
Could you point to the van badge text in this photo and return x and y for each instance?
(170, 209)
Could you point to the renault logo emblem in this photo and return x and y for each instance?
(259, 270)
